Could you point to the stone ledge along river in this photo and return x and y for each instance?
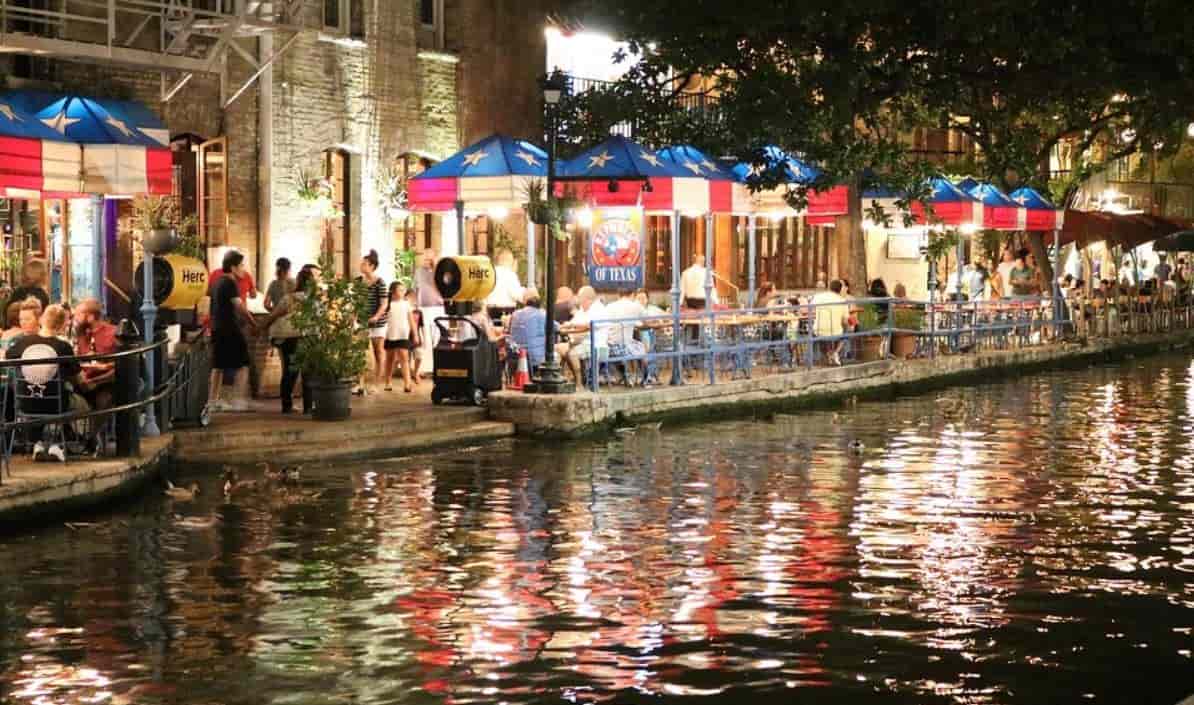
(1027, 541)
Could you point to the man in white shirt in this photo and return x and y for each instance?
(588, 308)
(507, 290)
(832, 310)
(692, 284)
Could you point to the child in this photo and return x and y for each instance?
(416, 351)
(401, 331)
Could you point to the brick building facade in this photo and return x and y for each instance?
(361, 88)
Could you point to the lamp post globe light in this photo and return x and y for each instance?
(549, 378)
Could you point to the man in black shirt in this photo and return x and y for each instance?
(230, 349)
(43, 388)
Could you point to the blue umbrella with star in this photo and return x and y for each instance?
(622, 172)
(492, 173)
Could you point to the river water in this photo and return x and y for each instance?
(1025, 541)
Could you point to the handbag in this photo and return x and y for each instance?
(283, 328)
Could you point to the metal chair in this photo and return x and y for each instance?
(40, 394)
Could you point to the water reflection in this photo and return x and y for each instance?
(1022, 542)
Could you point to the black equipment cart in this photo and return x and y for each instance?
(465, 369)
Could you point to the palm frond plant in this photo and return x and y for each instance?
(315, 195)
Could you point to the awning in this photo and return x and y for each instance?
(1127, 231)
(125, 146)
(33, 158)
(491, 173)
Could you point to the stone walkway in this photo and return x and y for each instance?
(36, 490)
(381, 423)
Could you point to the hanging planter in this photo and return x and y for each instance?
(315, 197)
(156, 218)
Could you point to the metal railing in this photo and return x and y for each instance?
(114, 430)
(710, 347)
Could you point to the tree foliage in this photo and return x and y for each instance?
(842, 84)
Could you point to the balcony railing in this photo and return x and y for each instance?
(687, 101)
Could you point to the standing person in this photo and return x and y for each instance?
(1021, 279)
(401, 331)
(976, 280)
(282, 285)
(417, 335)
(1006, 266)
(230, 348)
(507, 289)
(692, 284)
(376, 323)
(832, 312)
(286, 337)
(1163, 270)
(431, 305)
(35, 280)
(244, 281)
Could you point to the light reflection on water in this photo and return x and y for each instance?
(1029, 541)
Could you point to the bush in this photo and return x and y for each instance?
(908, 318)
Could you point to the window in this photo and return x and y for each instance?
(213, 192)
(427, 12)
(336, 231)
(331, 14)
(345, 17)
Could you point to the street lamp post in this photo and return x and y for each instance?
(549, 378)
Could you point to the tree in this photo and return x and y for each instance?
(842, 83)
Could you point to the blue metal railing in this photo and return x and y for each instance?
(709, 346)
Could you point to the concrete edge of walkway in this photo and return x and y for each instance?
(586, 414)
(79, 485)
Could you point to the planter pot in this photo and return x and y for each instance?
(332, 400)
(903, 345)
(870, 348)
(159, 241)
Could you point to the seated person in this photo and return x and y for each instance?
(527, 328)
(46, 389)
(12, 325)
(95, 336)
(588, 308)
(28, 318)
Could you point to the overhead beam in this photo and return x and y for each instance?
(64, 49)
(268, 62)
(168, 94)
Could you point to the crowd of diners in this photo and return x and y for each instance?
(52, 334)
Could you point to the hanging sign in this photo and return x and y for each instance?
(616, 249)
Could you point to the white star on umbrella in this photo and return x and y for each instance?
(528, 158)
(7, 112)
(710, 166)
(599, 160)
(693, 167)
(119, 125)
(60, 122)
(650, 159)
(475, 158)
(1021, 199)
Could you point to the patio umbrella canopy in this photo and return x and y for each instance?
(725, 195)
(1000, 212)
(951, 205)
(1041, 213)
(33, 157)
(491, 173)
(822, 205)
(621, 172)
(125, 145)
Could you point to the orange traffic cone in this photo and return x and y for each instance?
(522, 375)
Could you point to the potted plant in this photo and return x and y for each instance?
(391, 195)
(906, 323)
(870, 347)
(156, 217)
(331, 351)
